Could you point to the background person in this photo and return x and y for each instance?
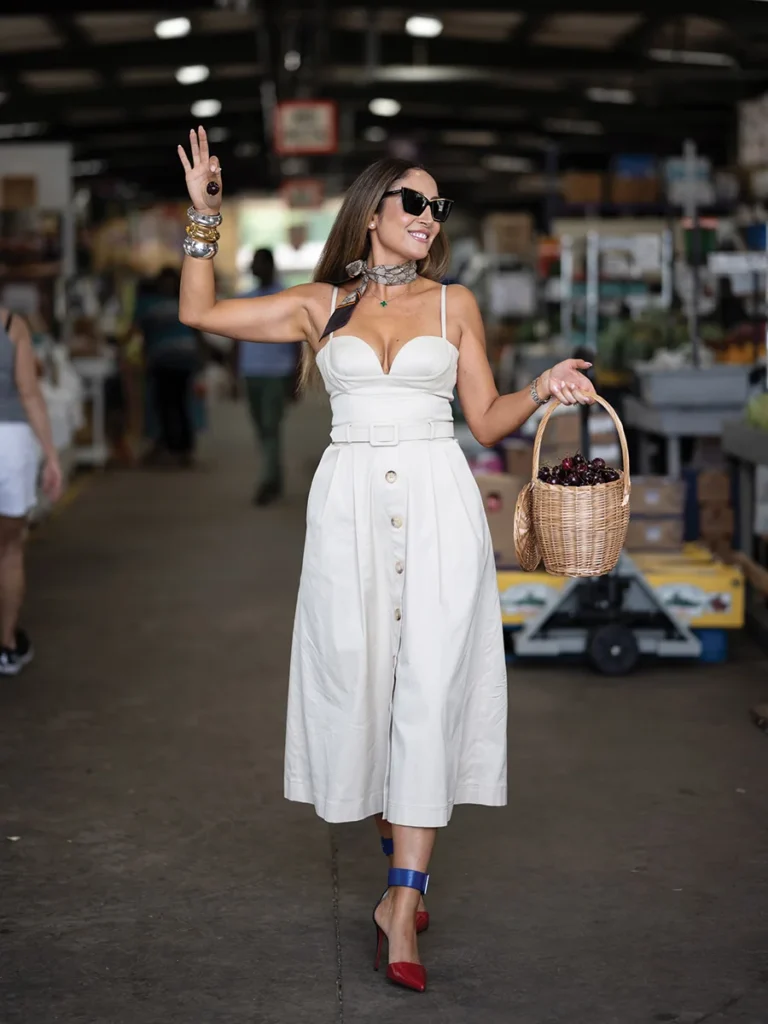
(269, 373)
(23, 424)
(172, 360)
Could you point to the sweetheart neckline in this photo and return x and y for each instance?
(386, 373)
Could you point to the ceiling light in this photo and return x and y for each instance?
(600, 95)
(715, 60)
(173, 28)
(507, 164)
(384, 108)
(423, 27)
(572, 126)
(81, 168)
(206, 108)
(375, 133)
(21, 131)
(217, 134)
(192, 74)
(292, 60)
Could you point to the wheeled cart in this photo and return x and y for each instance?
(663, 605)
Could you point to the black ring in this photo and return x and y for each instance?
(213, 188)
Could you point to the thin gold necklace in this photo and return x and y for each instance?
(386, 302)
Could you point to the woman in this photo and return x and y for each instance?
(23, 417)
(397, 702)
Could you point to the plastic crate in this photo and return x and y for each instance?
(714, 645)
(718, 386)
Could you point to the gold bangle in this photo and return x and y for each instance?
(202, 234)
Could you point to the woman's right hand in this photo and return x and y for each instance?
(203, 170)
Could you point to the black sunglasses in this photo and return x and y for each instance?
(415, 204)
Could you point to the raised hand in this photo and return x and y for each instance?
(203, 170)
(566, 384)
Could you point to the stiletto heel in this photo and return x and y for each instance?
(422, 916)
(409, 975)
(379, 943)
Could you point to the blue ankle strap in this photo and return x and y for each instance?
(388, 846)
(408, 878)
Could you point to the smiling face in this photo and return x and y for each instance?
(397, 236)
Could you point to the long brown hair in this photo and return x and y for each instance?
(349, 239)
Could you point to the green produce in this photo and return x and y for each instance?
(757, 412)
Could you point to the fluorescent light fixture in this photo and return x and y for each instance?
(375, 133)
(206, 108)
(83, 168)
(192, 74)
(703, 57)
(507, 164)
(292, 60)
(600, 95)
(173, 28)
(423, 27)
(21, 131)
(382, 107)
(573, 126)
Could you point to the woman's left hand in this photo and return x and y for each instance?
(566, 384)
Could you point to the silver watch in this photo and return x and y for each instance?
(535, 393)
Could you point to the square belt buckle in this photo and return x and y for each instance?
(389, 442)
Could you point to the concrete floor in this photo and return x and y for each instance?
(160, 878)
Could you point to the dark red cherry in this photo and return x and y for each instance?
(598, 463)
(567, 464)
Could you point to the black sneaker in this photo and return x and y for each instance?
(9, 662)
(25, 652)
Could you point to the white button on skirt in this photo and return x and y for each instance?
(398, 685)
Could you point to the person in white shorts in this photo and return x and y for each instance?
(24, 431)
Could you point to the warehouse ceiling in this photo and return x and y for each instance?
(503, 93)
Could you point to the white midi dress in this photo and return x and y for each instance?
(398, 686)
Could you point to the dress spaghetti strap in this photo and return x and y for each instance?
(443, 323)
(333, 307)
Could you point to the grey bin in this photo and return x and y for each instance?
(722, 386)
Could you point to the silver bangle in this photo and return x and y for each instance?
(200, 250)
(208, 220)
(535, 393)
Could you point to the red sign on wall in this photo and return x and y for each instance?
(304, 127)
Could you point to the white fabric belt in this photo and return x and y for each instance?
(387, 435)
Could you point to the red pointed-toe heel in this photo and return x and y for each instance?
(422, 916)
(409, 975)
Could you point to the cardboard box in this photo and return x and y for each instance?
(583, 187)
(657, 496)
(634, 190)
(713, 487)
(508, 233)
(654, 534)
(499, 492)
(519, 458)
(716, 522)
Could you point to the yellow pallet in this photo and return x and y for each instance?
(705, 595)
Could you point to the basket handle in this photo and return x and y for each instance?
(619, 430)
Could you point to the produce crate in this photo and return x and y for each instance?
(719, 386)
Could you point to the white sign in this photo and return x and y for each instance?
(725, 264)
(306, 126)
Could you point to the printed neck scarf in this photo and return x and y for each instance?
(402, 273)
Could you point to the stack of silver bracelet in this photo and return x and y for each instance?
(202, 234)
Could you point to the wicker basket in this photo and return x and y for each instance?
(580, 531)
